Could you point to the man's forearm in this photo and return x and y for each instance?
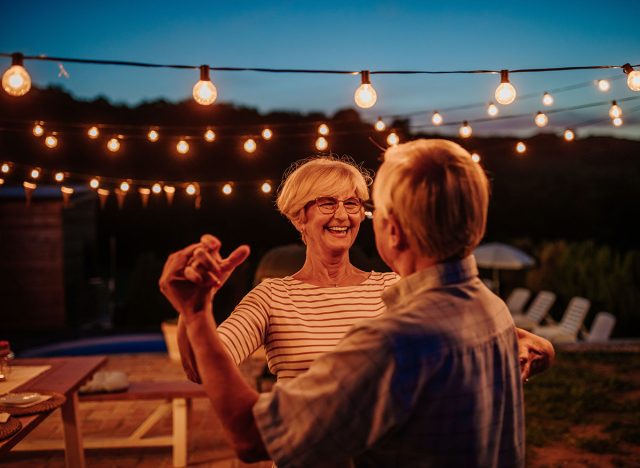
(232, 398)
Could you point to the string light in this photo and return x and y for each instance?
(250, 145)
(94, 183)
(465, 130)
(492, 109)
(475, 157)
(322, 143)
(113, 145)
(380, 125)
(604, 85)
(204, 91)
(35, 173)
(541, 119)
(51, 141)
(505, 92)
(182, 147)
(153, 135)
(569, 135)
(323, 129)
(209, 135)
(16, 80)
(365, 96)
(93, 132)
(633, 77)
(547, 99)
(436, 118)
(267, 134)
(617, 122)
(5, 168)
(124, 186)
(266, 187)
(191, 189)
(521, 147)
(38, 130)
(615, 110)
(393, 139)
(227, 189)
(156, 188)
(59, 177)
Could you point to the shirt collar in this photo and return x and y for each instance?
(441, 274)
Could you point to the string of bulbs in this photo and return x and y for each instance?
(16, 81)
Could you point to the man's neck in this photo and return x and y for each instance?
(408, 262)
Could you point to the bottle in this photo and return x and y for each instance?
(5, 360)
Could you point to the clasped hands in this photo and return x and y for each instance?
(193, 275)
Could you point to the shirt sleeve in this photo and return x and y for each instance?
(245, 329)
(345, 402)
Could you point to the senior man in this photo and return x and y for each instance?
(434, 381)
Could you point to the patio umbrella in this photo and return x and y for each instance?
(498, 256)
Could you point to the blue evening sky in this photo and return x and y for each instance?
(354, 35)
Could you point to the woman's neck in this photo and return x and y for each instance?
(330, 271)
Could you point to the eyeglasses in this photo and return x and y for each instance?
(329, 205)
(369, 209)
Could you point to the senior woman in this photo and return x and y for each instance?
(299, 317)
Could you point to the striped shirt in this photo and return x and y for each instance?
(298, 322)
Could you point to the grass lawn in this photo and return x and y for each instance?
(585, 411)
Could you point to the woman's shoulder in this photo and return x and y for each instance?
(384, 276)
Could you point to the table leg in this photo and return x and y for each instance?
(73, 448)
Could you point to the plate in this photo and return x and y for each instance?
(19, 398)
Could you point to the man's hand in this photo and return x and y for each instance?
(536, 354)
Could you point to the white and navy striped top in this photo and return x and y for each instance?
(297, 322)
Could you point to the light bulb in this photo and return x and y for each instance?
(5, 168)
(38, 130)
(547, 99)
(633, 77)
(475, 157)
(541, 119)
(51, 141)
(266, 187)
(182, 147)
(521, 147)
(204, 92)
(267, 134)
(569, 135)
(16, 81)
(466, 130)
(617, 122)
(156, 188)
(492, 109)
(505, 92)
(604, 85)
(113, 145)
(322, 143)
(393, 139)
(227, 189)
(250, 145)
(323, 129)
(124, 186)
(365, 96)
(153, 136)
(436, 119)
(209, 135)
(170, 189)
(94, 183)
(379, 125)
(191, 189)
(35, 173)
(59, 176)
(93, 132)
(615, 110)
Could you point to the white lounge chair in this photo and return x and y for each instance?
(538, 309)
(517, 300)
(601, 328)
(567, 330)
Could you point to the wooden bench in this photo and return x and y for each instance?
(177, 396)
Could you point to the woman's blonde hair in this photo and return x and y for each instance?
(439, 196)
(320, 176)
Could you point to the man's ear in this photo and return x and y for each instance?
(396, 234)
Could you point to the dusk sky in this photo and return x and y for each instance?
(355, 35)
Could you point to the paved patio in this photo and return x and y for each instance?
(207, 447)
